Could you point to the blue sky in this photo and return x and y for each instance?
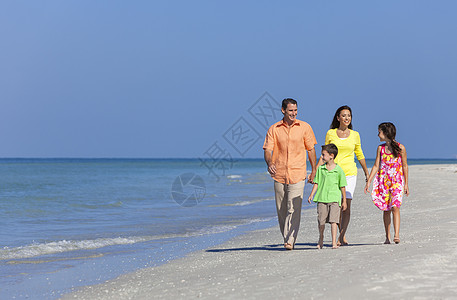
(177, 78)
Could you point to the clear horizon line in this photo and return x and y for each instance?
(125, 157)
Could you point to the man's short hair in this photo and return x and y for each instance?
(288, 101)
(331, 149)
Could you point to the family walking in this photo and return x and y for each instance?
(334, 176)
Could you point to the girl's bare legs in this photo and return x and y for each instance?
(345, 216)
(396, 214)
(387, 221)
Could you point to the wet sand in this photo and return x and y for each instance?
(255, 265)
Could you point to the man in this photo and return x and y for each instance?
(285, 148)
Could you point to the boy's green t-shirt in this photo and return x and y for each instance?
(329, 184)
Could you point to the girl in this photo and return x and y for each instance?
(390, 173)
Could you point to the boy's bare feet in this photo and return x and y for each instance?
(320, 244)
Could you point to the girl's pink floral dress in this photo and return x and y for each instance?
(388, 184)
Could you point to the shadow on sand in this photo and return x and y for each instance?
(280, 247)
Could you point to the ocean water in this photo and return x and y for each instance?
(72, 222)
(66, 223)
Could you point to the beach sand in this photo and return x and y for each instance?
(255, 265)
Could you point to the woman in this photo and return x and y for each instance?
(348, 143)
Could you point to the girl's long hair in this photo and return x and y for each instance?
(335, 122)
(390, 132)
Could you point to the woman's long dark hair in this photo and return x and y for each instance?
(390, 132)
(335, 122)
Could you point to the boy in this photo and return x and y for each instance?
(329, 187)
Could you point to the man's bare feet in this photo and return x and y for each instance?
(335, 246)
(288, 246)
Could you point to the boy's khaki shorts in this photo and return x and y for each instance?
(328, 213)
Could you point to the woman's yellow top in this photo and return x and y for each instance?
(346, 149)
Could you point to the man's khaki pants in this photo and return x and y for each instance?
(289, 199)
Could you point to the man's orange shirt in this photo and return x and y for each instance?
(289, 146)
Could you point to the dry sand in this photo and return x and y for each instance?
(255, 265)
